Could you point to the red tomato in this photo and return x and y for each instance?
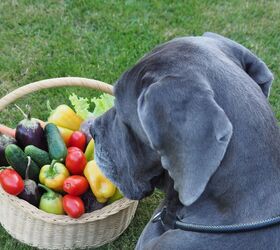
(76, 162)
(75, 185)
(78, 139)
(73, 206)
(11, 181)
(72, 149)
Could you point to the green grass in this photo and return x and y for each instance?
(45, 39)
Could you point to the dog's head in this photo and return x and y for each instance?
(166, 118)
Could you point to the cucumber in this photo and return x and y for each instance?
(56, 145)
(38, 155)
(18, 160)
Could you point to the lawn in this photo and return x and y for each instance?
(45, 39)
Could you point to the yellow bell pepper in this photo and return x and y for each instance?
(54, 175)
(101, 187)
(64, 116)
(66, 134)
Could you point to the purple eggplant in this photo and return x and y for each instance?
(30, 132)
(5, 140)
(31, 191)
(90, 202)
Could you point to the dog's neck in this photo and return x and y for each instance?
(231, 197)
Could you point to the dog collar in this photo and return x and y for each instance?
(172, 222)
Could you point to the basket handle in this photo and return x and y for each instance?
(53, 83)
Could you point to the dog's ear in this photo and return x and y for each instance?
(189, 130)
(249, 62)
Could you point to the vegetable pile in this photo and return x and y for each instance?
(51, 164)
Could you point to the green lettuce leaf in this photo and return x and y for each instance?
(102, 104)
(81, 105)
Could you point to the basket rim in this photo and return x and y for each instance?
(69, 81)
(35, 212)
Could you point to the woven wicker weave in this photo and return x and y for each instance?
(34, 227)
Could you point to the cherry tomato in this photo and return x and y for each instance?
(73, 206)
(76, 162)
(78, 139)
(11, 181)
(75, 185)
(72, 149)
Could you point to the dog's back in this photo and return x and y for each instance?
(246, 186)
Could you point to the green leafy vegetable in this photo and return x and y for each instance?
(102, 104)
(81, 105)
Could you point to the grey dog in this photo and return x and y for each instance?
(192, 118)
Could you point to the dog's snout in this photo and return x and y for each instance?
(93, 130)
(97, 128)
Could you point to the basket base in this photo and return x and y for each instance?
(36, 228)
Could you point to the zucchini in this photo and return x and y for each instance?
(56, 144)
(38, 155)
(18, 160)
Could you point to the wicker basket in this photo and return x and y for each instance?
(34, 227)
